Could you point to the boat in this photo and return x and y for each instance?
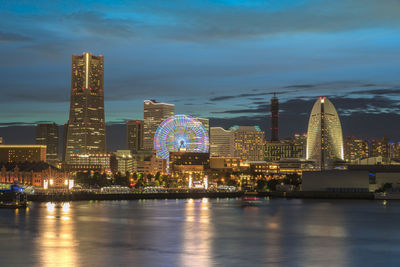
(13, 197)
(251, 199)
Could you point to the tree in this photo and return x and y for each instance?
(261, 184)
(292, 179)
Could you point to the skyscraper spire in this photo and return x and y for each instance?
(274, 118)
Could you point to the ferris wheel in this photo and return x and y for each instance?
(180, 133)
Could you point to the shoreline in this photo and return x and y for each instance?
(79, 196)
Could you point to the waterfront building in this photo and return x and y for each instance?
(357, 179)
(47, 134)
(248, 143)
(183, 163)
(221, 142)
(122, 161)
(22, 153)
(274, 104)
(134, 135)
(86, 125)
(287, 148)
(92, 162)
(149, 164)
(355, 148)
(231, 164)
(154, 114)
(37, 174)
(324, 136)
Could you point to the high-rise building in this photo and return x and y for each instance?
(274, 118)
(324, 136)
(86, 125)
(221, 142)
(379, 148)
(134, 136)
(355, 148)
(154, 114)
(47, 134)
(248, 143)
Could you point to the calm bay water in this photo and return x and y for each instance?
(208, 232)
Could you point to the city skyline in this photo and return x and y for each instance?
(193, 67)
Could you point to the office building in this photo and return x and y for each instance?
(122, 161)
(22, 153)
(221, 142)
(92, 162)
(154, 114)
(47, 134)
(248, 143)
(134, 135)
(86, 125)
(324, 136)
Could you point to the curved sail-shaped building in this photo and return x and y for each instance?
(324, 135)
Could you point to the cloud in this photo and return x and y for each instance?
(200, 22)
(96, 23)
(13, 37)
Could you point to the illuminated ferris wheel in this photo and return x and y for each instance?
(180, 133)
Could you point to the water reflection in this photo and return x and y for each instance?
(330, 229)
(197, 234)
(57, 241)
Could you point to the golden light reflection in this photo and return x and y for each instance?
(197, 234)
(57, 241)
(50, 207)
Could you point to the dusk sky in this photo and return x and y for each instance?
(215, 59)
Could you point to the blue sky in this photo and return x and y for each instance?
(216, 59)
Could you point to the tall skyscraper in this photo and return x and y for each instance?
(324, 136)
(248, 143)
(274, 118)
(221, 142)
(47, 134)
(134, 135)
(86, 126)
(154, 113)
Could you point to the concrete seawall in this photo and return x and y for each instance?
(130, 196)
(76, 196)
